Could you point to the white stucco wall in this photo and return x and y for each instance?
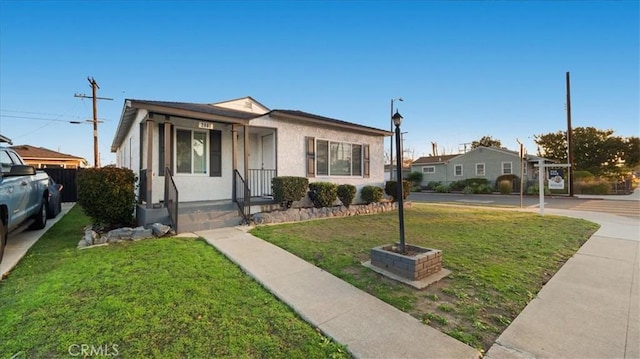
(290, 159)
(291, 151)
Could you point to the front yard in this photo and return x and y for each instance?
(169, 298)
(500, 260)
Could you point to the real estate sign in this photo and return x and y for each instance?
(556, 178)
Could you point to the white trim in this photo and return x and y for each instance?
(510, 167)
(484, 169)
(455, 167)
(433, 168)
(329, 175)
(206, 151)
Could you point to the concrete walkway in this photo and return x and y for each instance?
(369, 327)
(591, 307)
(18, 244)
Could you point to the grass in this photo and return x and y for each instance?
(499, 259)
(169, 298)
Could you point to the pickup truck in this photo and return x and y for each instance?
(23, 194)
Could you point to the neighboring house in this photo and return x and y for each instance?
(480, 162)
(387, 174)
(41, 157)
(213, 150)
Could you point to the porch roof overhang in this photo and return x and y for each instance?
(196, 111)
(326, 121)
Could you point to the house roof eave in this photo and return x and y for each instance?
(204, 112)
(316, 119)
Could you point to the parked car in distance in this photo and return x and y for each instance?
(55, 198)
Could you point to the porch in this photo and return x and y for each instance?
(198, 174)
(249, 197)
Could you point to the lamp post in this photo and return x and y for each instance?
(391, 140)
(397, 120)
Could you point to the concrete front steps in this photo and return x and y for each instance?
(196, 216)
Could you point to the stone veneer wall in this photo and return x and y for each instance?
(303, 214)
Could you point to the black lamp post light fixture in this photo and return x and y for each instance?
(397, 121)
(413, 265)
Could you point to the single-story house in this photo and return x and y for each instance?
(230, 151)
(480, 162)
(40, 157)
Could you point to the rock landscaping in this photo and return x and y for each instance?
(93, 238)
(303, 214)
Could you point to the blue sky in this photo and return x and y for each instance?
(464, 69)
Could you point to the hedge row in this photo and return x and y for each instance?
(288, 189)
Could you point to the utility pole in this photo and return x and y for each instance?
(569, 138)
(523, 163)
(94, 90)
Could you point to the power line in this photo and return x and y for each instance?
(38, 118)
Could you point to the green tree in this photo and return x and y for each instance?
(594, 150)
(486, 141)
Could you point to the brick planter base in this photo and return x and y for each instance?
(421, 263)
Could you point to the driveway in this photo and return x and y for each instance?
(18, 244)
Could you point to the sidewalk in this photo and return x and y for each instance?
(591, 307)
(369, 327)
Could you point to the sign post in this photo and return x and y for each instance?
(556, 179)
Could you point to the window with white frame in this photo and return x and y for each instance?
(338, 158)
(429, 169)
(479, 169)
(507, 168)
(191, 151)
(457, 170)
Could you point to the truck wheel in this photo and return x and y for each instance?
(3, 238)
(41, 216)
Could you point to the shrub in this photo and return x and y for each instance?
(391, 190)
(323, 194)
(468, 190)
(346, 194)
(582, 176)
(473, 182)
(513, 179)
(442, 188)
(535, 189)
(287, 189)
(107, 195)
(432, 185)
(415, 178)
(587, 187)
(371, 194)
(505, 186)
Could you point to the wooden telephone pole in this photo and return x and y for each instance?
(569, 138)
(94, 90)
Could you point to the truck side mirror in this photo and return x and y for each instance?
(21, 170)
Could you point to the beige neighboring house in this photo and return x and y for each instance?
(41, 157)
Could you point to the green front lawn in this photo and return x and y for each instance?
(168, 298)
(500, 260)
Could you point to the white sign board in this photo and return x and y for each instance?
(556, 179)
(206, 125)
